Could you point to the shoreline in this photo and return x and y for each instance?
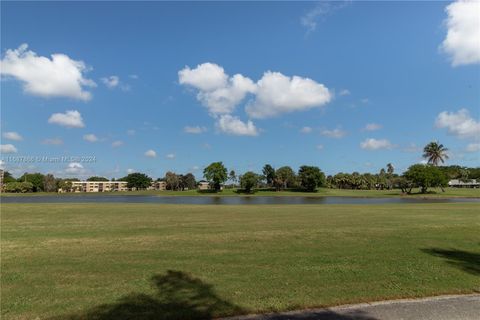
(322, 193)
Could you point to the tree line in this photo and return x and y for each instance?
(306, 178)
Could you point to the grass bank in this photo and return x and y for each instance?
(322, 192)
(112, 261)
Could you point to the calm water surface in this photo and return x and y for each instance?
(209, 200)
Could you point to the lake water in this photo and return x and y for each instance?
(217, 200)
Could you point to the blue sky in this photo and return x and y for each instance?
(346, 86)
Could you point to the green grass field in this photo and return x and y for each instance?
(112, 261)
(322, 192)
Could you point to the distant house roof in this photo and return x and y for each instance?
(457, 182)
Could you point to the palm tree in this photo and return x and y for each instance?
(435, 153)
(232, 177)
(390, 169)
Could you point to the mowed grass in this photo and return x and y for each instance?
(65, 260)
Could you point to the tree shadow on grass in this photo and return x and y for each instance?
(467, 261)
(178, 296)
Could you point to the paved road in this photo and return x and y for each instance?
(465, 307)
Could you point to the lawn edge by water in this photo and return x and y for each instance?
(322, 192)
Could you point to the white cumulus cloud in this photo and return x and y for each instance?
(335, 133)
(374, 144)
(150, 153)
(225, 99)
(372, 127)
(459, 124)
(59, 76)
(69, 119)
(272, 95)
(90, 137)
(170, 156)
(217, 91)
(277, 94)
(8, 148)
(111, 81)
(11, 135)
(206, 76)
(74, 168)
(306, 130)
(117, 143)
(194, 129)
(462, 42)
(234, 126)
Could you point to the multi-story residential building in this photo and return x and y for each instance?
(98, 186)
(456, 183)
(203, 185)
(158, 185)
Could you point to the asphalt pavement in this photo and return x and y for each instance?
(452, 307)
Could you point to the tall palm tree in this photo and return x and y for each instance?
(435, 153)
(390, 169)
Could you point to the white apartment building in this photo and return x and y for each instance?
(98, 186)
(158, 185)
(456, 183)
(203, 185)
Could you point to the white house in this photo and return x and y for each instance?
(456, 183)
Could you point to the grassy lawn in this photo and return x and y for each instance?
(111, 261)
(322, 192)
